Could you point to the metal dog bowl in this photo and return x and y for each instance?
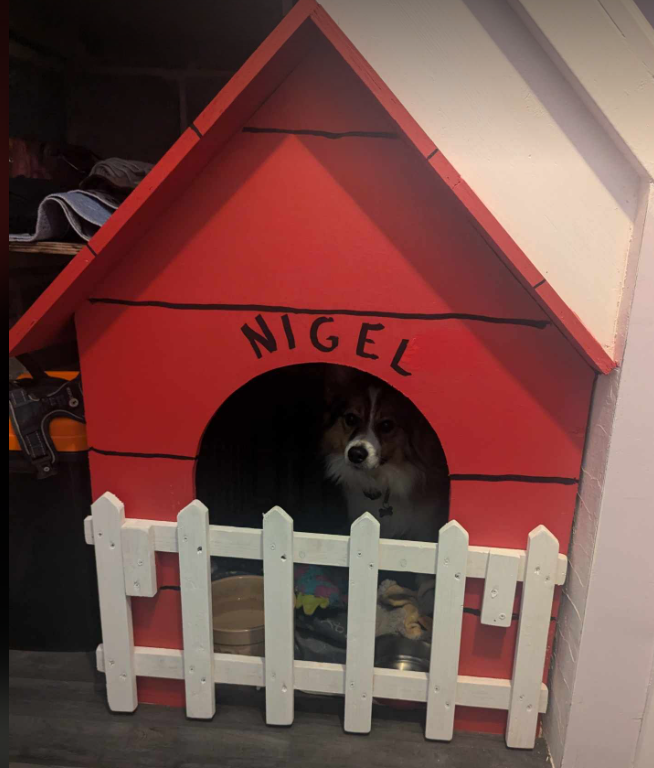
(395, 652)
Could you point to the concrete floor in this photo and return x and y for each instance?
(58, 716)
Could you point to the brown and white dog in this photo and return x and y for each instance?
(384, 454)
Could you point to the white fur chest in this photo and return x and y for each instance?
(400, 516)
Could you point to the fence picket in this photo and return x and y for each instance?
(533, 628)
(139, 561)
(279, 607)
(499, 588)
(361, 617)
(197, 613)
(452, 558)
(108, 515)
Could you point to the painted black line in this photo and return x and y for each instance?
(135, 455)
(172, 587)
(325, 134)
(431, 154)
(193, 127)
(538, 285)
(547, 479)
(91, 249)
(540, 324)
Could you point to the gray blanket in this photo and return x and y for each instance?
(83, 211)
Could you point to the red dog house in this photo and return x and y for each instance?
(305, 217)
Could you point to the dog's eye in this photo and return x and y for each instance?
(351, 419)
(386, 426)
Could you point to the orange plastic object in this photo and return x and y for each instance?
(68, 435)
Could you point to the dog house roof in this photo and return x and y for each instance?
(263, 72)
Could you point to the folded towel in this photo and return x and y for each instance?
(398, 613)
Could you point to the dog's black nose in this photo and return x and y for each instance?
(357, 454)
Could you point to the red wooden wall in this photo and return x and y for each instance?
(354, 228)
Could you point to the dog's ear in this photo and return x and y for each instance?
(337, 379)
(339, 375)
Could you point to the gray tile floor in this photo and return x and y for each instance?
(58, 716)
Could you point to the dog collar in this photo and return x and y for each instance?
(386, 510)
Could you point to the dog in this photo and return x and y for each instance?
(385, 455)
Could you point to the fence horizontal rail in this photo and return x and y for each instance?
(317, 677)
(324, 549)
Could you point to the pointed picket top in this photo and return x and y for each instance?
(542, 554)
(448, 531)
(364, 520)
(541, 530)
(278, 512)
(108, 501)
(196, 507)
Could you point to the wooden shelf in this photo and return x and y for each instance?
(51, 247)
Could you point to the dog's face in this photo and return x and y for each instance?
(370, 432)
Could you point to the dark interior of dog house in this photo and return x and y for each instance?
(262, 448)
(265, 446)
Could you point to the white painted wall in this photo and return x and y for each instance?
(488, 95)
(605, 637)
(606, 49)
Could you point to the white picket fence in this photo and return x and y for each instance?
(125, 556)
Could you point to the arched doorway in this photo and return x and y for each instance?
(264, 446)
